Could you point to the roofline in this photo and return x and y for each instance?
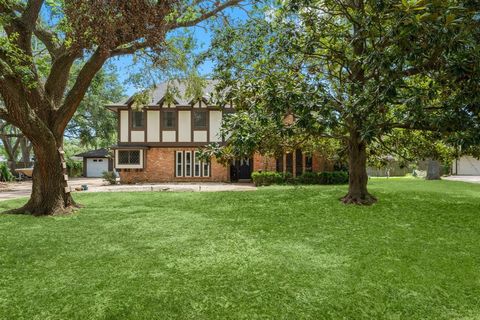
(87, 157)
(114, 107)
(129, 147)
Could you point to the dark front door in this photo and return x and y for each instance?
(244, 168)
(241, 169)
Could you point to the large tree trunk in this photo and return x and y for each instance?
(358, 178)
(49, 196)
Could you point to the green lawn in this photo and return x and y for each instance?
(277, 253)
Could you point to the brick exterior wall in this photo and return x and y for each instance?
(160, 167)
(263, 163)
(320, 164)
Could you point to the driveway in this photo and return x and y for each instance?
(472, 179)
(16, 190)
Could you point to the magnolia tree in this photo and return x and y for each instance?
(357, 70)
(41, 93)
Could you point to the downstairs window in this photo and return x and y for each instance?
(188, 164)
(129, 159)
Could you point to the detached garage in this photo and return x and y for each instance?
(95, 162)
(466, 166)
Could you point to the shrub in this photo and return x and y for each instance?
(287, 177)
(267, 178)
(74, 167)
(308, 178)
(335, 177)
(5, 173)
(110, 177)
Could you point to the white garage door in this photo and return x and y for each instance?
(96, 166)
(467, 166)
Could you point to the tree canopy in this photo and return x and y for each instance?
(359, 70)
(41, 93)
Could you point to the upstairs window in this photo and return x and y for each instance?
(169, 120)
(199, 120)
(138, 119)
(129, 157)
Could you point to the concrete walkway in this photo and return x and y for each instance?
(472, 179)
(16, 190)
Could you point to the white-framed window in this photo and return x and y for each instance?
(197, 165)
(206, 168)
(188, 163)
(128, 159)
(179, 163)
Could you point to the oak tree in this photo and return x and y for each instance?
(40, 102)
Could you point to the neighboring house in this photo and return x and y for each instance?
(160, 142)
(96, 162)
(466, 165)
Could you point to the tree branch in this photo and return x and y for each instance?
(58, 77)
(48, 39)
(131, 49)
(76, 94)
(204, 16)
(30, 14)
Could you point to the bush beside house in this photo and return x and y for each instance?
(110, 177)
(267, 178)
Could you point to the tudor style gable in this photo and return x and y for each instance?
(182, 123)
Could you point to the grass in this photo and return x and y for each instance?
(277, 253)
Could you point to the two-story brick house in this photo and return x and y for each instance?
(160, 142)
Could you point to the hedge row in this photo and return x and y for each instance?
(267, 178)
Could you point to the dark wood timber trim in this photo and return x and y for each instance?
(145, 125)
(208, 128)
(129, 147)
(191, 125)
(119, 132)
(180, 107)
(110, 163)
(161, 144)
(176, 124)
(203, 107)
(129, 128)
(84, 167)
